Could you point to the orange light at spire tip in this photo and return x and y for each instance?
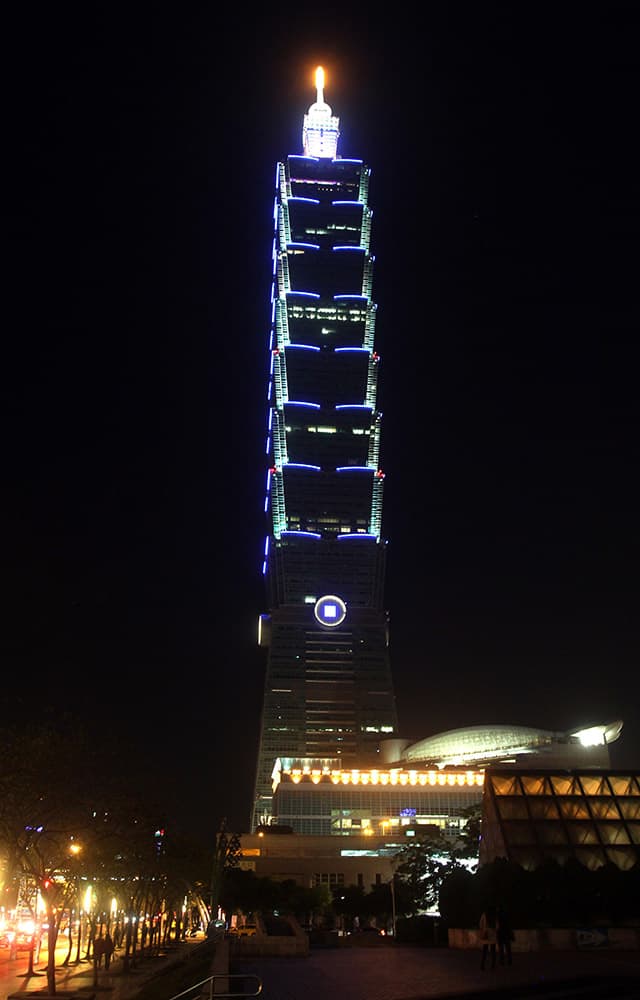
(320, 83)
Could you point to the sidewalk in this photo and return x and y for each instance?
(78, 980)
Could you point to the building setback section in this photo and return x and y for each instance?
(314, 861)
(328, 690)
(320, 798)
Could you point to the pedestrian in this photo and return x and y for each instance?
(98, 950)
(504, 935)
(488, 939)
(109, 947)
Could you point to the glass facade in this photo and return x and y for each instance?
(535, 815)
(319, 798)
(328, 688)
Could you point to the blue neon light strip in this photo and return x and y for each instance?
(303, 246)
(304, 534)
(310, 295)
(347, 203)
(303, 465)
(354, 468)
(362, 298)
(357, 249)
(359, 350)
(303, 347)
(264, 568)
(346, 160)
(297, 402)
(361, 534)
(266, 546)
(311, 201)
(311, 159)
(354, 406)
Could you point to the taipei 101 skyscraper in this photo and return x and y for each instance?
(328, 692)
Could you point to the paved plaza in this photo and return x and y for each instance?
(391, 972)
(409, 973)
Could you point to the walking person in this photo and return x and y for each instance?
(98, 952)
(109, 947)
(504, 935)
(488, 936)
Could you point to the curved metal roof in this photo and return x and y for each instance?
(495, 742)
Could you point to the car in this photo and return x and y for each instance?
(247, 930)
(19, 940)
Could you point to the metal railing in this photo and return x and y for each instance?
(206, 989)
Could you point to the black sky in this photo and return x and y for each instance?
(142, 150)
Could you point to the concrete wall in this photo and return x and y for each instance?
(547, 938)
(270, 944)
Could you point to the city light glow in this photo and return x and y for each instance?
(376, 776)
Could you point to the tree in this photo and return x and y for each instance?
(469, 840)
(303, 902)
(423, 865)
(381, 905)
(227, 854)
(44, 812)
(350, 903)
(71, 830)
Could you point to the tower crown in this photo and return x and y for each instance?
(321, 129)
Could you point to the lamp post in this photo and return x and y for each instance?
(392, 885)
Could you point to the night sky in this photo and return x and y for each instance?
(141, 149)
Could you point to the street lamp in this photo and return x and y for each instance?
(392, 886)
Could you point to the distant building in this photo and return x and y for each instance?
(321, 797)
(480, 746)
(529, 816)
(314, 861)
(429, 782)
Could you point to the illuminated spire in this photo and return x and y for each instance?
(321, 130)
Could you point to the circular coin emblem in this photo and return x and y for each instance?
(330, 610)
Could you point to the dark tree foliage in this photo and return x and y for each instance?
(469, 839)
(422, 867)
(350, 902)
(226, 857)
(552, 895)
(246, 892)
(457, 898)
